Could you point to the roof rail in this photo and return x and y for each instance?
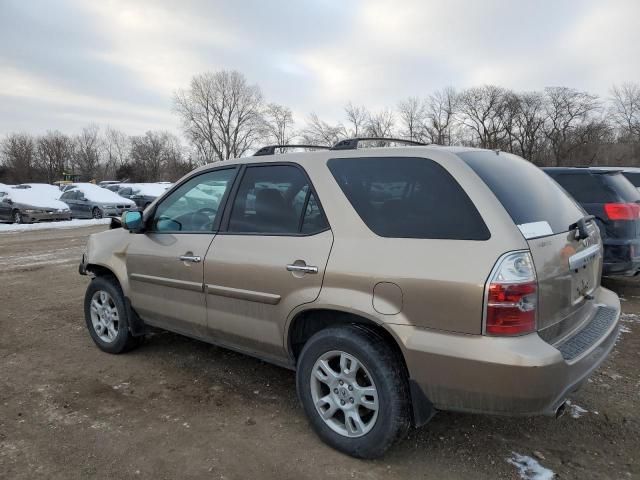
(352, 143)
(271, 149)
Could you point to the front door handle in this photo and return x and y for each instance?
(302, 268)
(190, 258)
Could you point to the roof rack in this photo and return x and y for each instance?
(271, 149)
(352, 143)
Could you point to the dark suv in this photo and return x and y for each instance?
(615, 203)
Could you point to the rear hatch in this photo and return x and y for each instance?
(568, 268)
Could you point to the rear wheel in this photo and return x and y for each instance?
(17, 217)
(96, 213)
(354, 390)
(106, 316)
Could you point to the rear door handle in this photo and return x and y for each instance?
(302, 268)
(190, 258)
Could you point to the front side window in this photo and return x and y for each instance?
(273, 199)
(194, 206)
(403, 197)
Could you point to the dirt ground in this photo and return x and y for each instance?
(179, 408)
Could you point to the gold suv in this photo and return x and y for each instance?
(396, 282)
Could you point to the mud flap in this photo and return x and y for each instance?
(137, 327)
(423, 409)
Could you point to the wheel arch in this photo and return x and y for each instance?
(306, 323)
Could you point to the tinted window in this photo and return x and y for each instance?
(70, 195)
(584, 187)
(408, 198)
(194, 205)
(597, 187)
(620, 184)
(526, 192)
(314, 220)
(633, 177)
(272, 200)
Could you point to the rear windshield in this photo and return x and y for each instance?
(588, 187)
(633, 177)
(525, 191)
(403, 197)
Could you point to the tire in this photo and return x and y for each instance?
(17, 217)
(121, 341)
(379, 427)
(96, 213)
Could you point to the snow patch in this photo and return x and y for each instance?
(20, 227)
(529, 468)
(576, 411)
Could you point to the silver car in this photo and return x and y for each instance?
(87, 200)
(24, 206)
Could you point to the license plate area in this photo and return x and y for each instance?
(584, 269)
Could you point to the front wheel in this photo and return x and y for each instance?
(106, 316)
(354, 390)
(96, 213)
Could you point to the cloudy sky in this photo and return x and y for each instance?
(67, 63)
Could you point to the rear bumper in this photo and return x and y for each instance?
(508, 376)
(621, 257)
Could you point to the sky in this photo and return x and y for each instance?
(65, 64)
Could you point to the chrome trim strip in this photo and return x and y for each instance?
(584, 257)
(167, 282)
(249, 295)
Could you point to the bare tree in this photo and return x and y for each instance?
(221, 114)
(625, 110)
(318, 132)
(357, 117)
(116, 151)
(525, 124)
(440, 112)
(412, 113)
(566, 110)
(86, 158)
(483, 114)
(19, 156)
(54, 153)
(278, 124)
(381, 124)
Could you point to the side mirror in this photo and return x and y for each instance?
(132, 221)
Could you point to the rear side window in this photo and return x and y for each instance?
(633, 177)
(526, 192)
(403, 197)
(625, 190)
(276, 199)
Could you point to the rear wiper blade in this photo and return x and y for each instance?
(581, 226)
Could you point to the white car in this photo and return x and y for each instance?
(87, 200)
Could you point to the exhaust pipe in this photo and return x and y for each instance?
(561, 409)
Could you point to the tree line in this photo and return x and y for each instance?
(224, 116)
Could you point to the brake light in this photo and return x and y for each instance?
(622, 211)
(512, 296)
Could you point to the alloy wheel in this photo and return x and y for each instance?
(344, 394)
(104, 316)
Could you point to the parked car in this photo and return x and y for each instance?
(396, 282)
(28, 206)
(142, 193)
(615, 203)
(87, 200)
(114, 187)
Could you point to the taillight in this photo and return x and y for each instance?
(622, 211)
(512, 296)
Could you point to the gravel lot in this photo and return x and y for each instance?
(179, 408)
